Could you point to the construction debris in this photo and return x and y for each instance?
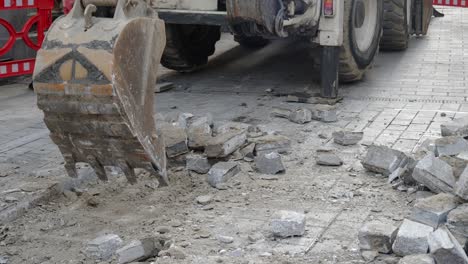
(204, 199)
(445, 248)
(173, 252)
(199, 131)
(103, 247)
(377, 236)
(225, 144)
(325, 113)
(287, 224)
(461, 188)
(417, 259)
(383, 160)
(347, 138)
(450, 146)
(457, 221)
(433, 210)
(197, 163)
(457, 127)
(163, 87)
(221, 172)
(411, 238)
(138, 250)
(271, 143)
(328, 159)
(175, 139)
(301, 116)
(269, 163)
(435, 174)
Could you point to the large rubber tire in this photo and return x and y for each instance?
(395, 26)
(189, 46)
(251, 42)
(355, 60)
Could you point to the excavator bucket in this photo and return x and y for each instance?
(94, 78)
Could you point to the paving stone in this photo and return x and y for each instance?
(433, 210)
(281, 112)
(450, 146)
(271, 143)
(325, 113)
(137, 250)
(381, 159)
(457, 127)
(197, 163)
(225, 144)
(347, 138)
(199, 131)
(411, 238)
(435, 174)
(328, 159)
(226, 127)
(458, 165)
(221, 172)
(248, 151)
(301, 116)
(377, 236)
(457, 220)
(103, 247)
(445, 248)
(175, 139)
(287, 224)
(417, 259)
(269, 163)
(461, 188)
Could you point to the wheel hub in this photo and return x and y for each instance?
(365, 15)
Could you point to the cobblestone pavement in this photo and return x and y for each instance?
(402, 101)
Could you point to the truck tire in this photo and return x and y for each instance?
(251, 42)
(395, 25)
(189, 46)
(362, 30)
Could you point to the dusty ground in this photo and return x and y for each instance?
(403, 101)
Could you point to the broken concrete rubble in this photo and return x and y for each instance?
(173, 252)
(281, 112)
(457, 127)
(103, 247)
(328, 159)
(271, 143)
(224, 144)
(411, 238)
(417, 259)
(199, 131)
(287, 224)
(137, 250)
(433, 210)
(435, 174)
(324, 113)
(445, 248)
(458, 165)
(377, 236)
(301, 116)
(450, 146)
(197, 163)
(461, 188)
(457, 220)
(221, 172)
(204, 199)
(347, 138)
(269, 163)
(381, 159)
(175, 139)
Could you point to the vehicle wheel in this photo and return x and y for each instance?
(362, 30)
(395, 25)
(251, 42)
(189, 46)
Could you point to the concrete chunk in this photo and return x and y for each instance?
(221, 172)
(287, 224)
(103, 247)
(271, 143)
(137, 250)
(175, 139)
(197, 163)
(457, 220)
(270, 163)
(433, 210)
(301, 116)
(377, 236)
(224, 144)
(324, 113)
(411, 238)
(328, 159)
(199, 131)
(435, 174)
(445, 248)
(417, 259)
(461, 188)
(347, 138)
(281, 112)
(457, 127)
(450, 146)
(381, 159)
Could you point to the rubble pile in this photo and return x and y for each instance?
(436, 229)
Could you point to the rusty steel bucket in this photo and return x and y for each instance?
(94, 78)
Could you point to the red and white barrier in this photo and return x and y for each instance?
(457, 3)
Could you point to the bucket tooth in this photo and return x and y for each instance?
(94, 78)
